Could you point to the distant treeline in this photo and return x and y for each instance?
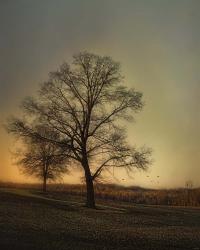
(172, 197)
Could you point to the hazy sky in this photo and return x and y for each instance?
(158, 45)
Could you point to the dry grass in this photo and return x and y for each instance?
(172, 197)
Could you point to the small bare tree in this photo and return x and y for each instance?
(86, 104)
(42, 158)
(188, 188)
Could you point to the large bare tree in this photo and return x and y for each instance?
(87, 104)
(42, 158)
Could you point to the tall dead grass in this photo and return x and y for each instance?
(172, 197)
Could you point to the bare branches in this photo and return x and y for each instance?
(41, 158)
(84, 104)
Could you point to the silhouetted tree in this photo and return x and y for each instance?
(188, 187)
(42, 158)
(86, 104)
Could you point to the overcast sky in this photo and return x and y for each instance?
(158, 45)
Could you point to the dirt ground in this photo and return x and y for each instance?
(30, 221)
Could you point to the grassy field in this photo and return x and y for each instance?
(30, 220)
(172, 197)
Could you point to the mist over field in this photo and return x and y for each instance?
(158, 46)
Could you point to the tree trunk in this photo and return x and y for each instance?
(90, 202)
(44, 184)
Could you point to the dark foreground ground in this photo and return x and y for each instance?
(31, 221)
